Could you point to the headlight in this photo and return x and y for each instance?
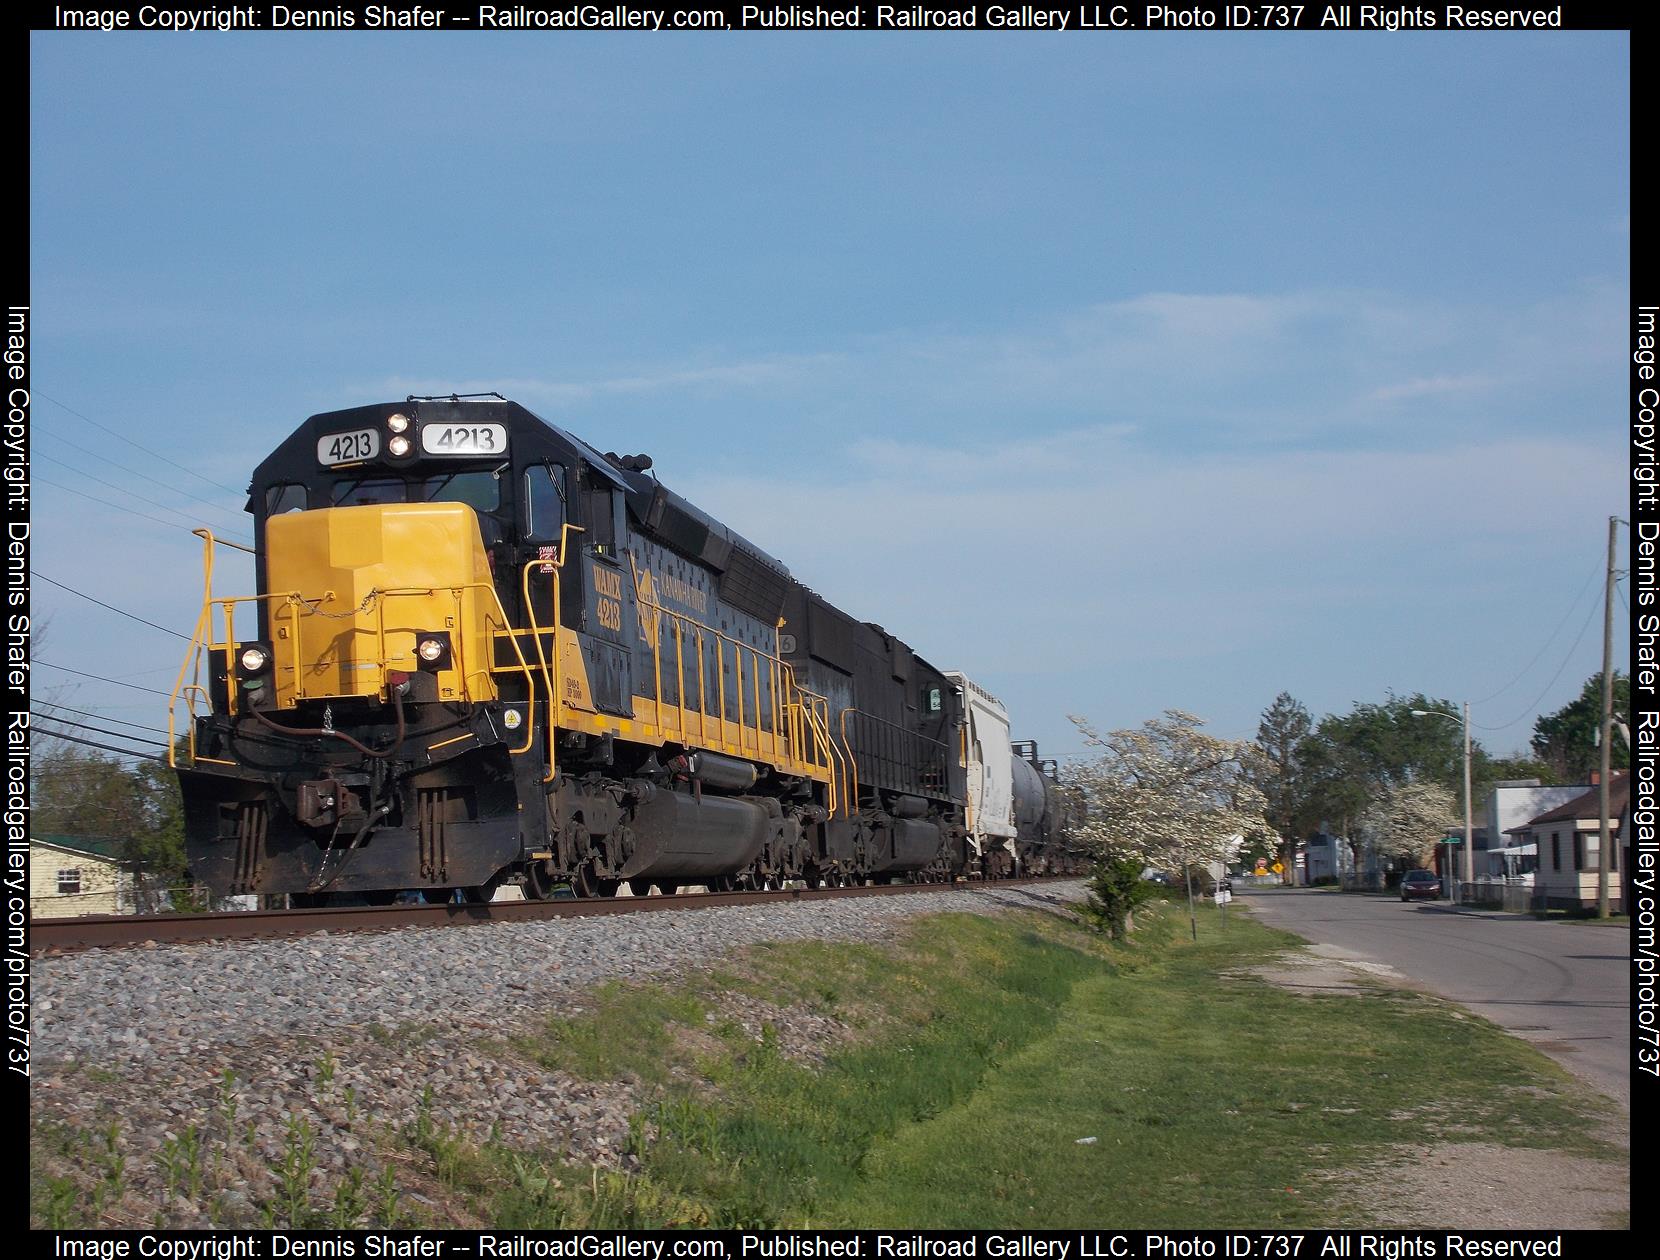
(253, 664)
(398, 445)
(433, 650)
(398, 423)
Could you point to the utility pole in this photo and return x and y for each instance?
(1469, 817)
(1605, 847)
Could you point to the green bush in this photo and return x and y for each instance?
(1115, 890)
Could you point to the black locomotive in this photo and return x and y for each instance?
(482, 651)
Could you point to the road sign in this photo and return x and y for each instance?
(1278, 868)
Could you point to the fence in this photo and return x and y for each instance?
(1500, 893)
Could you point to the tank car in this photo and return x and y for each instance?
(480, 651)
(1046, 813)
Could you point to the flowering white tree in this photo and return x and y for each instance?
(1405, 821)
(1167, 794)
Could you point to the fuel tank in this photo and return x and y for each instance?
(679, 837)
(904, 844)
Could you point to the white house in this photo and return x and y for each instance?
(70, 875)
(1510, 805)
(1568, 840)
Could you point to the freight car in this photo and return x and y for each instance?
(481, 652)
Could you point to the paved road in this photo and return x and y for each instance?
(1565, 987)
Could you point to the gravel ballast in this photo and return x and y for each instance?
(327, 1045)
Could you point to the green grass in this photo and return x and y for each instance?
(985, 1048)
(969, 1058)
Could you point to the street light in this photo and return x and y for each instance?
(1469, 830)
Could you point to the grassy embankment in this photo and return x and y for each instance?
(978, 1055)
(957, 1072)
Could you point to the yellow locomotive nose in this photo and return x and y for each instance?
(357, 591)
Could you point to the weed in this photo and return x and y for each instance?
(181, 1162)
(114, 1163)
(349, 1200)
(294, 1172)
(60, 1201)
(386, 1196)
(423, 1118)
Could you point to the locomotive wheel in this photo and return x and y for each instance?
(587, 883)
(539, 882)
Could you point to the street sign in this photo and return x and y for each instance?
(1278, 868)
(1452, 840)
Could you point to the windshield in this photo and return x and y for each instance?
(478, 488)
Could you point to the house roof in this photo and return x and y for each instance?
(105, 847)
(1589, 804)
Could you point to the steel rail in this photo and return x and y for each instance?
(102, 931)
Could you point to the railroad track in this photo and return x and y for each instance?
(102, 931)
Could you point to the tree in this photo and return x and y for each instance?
(79, 792)
(1566, 740)
(1278, 774)
(1354, 758)
(1167, 794)
(1405, 821)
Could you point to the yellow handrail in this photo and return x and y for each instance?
(548, 676)
(204, 624)
(851, 758)
(752, 736)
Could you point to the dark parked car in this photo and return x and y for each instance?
(1420, 886)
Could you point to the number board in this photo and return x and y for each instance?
(464, 439)
(348, 448)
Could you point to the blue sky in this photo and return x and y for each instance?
(1124, 373)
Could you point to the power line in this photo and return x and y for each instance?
(133, 472)
(119, 507)
(100, 678)
(1564, 665)
(131, 616)
(99, 730)
(69, 708)
(1568, 612)
(183, 516)
(90, 743)
(153, 454)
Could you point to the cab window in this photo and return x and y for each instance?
(479, 489)
(544, 502)
(363, 490)
(281, 499)
(597, 506)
